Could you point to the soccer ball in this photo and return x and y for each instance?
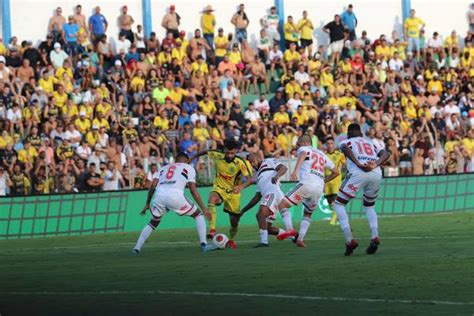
(220, 241)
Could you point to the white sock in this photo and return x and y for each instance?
(305, 222)
(287, 219)
(201, 228)
(264, 236)
(373, 222)
(343, 221)
(146, 232)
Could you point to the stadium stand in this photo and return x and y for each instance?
(82, 113)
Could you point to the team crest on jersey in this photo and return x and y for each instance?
(352, 187)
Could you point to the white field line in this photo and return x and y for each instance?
(167, 244)
(258, 295)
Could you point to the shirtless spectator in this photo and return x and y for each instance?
(125, 22)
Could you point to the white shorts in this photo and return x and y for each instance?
(271, 200)
(368, 182)
(337, 46)
(178, 203)
(273, 35)
(307, 194)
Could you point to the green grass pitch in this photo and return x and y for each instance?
(425, 266)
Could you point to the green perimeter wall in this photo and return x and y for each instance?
(76, 214)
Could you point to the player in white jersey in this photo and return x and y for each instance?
(309, 169)
(267, 174)
(364, 173)
(167, 191)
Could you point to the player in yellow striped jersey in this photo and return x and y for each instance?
(230, 171)
(332, 187)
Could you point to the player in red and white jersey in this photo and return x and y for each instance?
(267, 174)
(364, 173)
(167, 191)
(309, 169)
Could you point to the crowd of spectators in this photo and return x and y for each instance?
(80, 112)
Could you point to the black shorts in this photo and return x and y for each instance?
(305, 43)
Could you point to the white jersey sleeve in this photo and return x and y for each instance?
(365, 150)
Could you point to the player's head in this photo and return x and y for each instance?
(255, 160)
(182, 157)
(330, 146)
(354, 130)
(230, 149)
(304, 140)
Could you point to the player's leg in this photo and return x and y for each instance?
(262, 215)
(330, 193)
(266, 216)
(234, 227)
(146, 232)
(214, 199)
(310, 205)
(343, 197)
(370, 197)
(156, 214)
(283, 206)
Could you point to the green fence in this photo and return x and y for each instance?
(75, 214)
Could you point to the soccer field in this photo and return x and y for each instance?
(425, 266)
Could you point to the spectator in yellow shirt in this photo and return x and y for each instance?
(162, 122)
(383, 50)
(27, 154)
(281, 117)
(412, 26)
(301, 116)
(234, 55)
(47, 83)
(207, 106)
(222, 45)
(200, 65)
(82, 123)
(177, 94)
(208, 23)
(100, 121)
(451, 42)
(435, 85)
(291, 32)
(305, 25)
(138, 80)
(292, 87)
(326, 78)
(291, 56)
(200, 135)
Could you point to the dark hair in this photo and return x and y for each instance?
(354, 130)
(329, 138)
(230, 144)
(182, 155)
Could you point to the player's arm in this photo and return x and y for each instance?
(197, 155)
(256, 198)
(238, 188)
(151, 191)
(299, 162)
(333, 175)
(383, 157)
(281, 170)
(349, 154)
(197, 198)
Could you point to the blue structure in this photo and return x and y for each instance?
(6, 22)
(280, 7)
(146, 8)
(406, 7)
